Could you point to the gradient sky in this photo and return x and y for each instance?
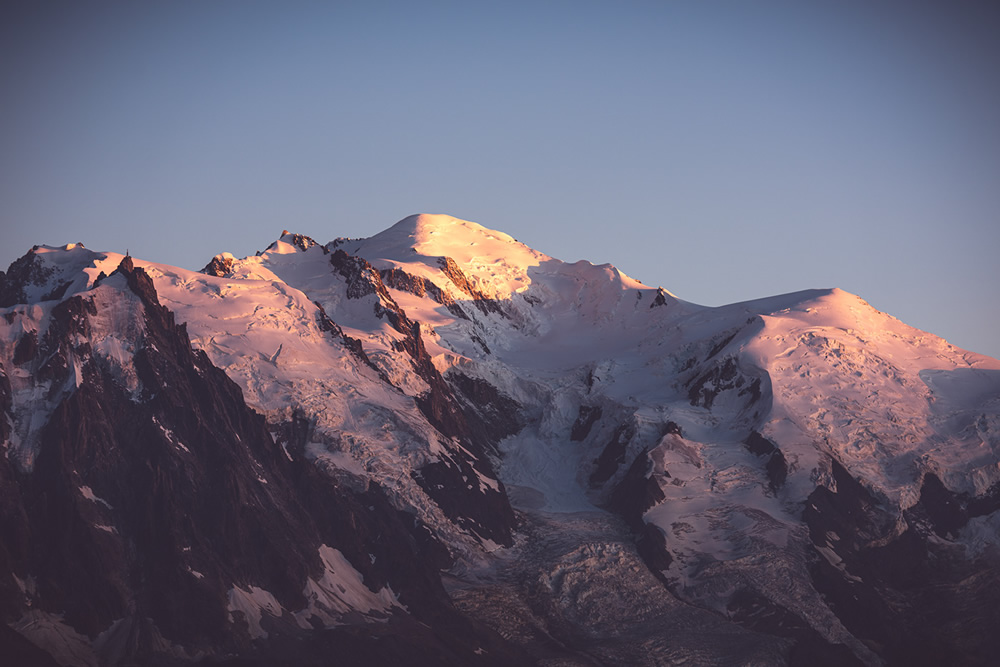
(723, 150)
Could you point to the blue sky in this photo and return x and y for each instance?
(723, 150)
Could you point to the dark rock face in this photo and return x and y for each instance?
(220, 267)
(490, 414)
(637, 492)
(141, 514)
(723, 376)
(362, 278)
(5, 405)
(776, 466)
(661, 298)
(26, 349)
(467, 501)
(406, 282)
(301, 241)
(19, 651)
(26, 270)
(652, 546)
(613, 455)
(454, 485)
(484, 303)
(915, 598)
(947, 512)
(589, 415)
(755, 611)
(483, 510)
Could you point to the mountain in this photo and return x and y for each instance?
(439, 446)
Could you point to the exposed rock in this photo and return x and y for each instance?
(753, 610)
(637, 492)
(722, 377)
(661, 298)
(915, 598)
(26, 348)
(407, 282)
(613, 454)
(948, 512)
(362, 278)
(482, 509)
(457, 489)
(301, 241)
(220, 266)
(490, 414)
(25, 271)
(6, 402)
(483, 302)
(588, 416)
(776, 465)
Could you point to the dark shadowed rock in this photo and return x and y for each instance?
(915, 598)
(481, 509)
(25, 271)
(481, 301)
(588, 416)
(724, 376)
(613, 454)
(776, 465)
(220, 266)
(637, 492)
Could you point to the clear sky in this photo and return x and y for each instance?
(723, 150)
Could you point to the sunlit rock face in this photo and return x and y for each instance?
(439, 446)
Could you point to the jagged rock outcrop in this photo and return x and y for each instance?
(220, 266)
(589, 415)
(166, 524)
(453, 482)
(776, 465)
(895, 581)
(27, 272)
(484, 303)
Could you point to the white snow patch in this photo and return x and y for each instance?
(340, 590)
(87, 493)
(253, 603)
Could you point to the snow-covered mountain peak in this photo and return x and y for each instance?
(495, 262)
(289, 243)
(438, 234)
(49, 273)
(781, 459)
